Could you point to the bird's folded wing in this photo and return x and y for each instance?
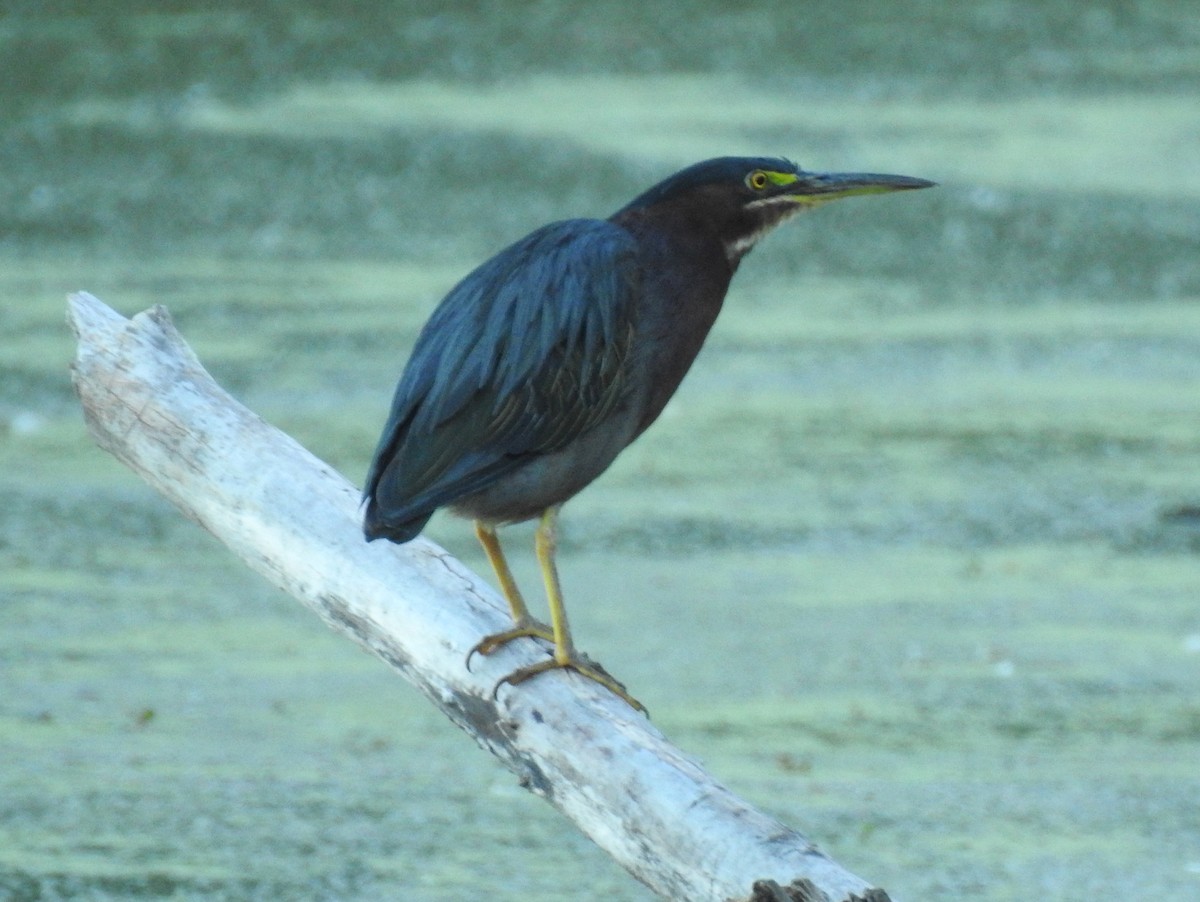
(522, 356)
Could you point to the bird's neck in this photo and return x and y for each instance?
(681, 240)
(685, 274)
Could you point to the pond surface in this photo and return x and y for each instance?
(911, 561)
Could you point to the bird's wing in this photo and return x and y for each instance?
(522, 356)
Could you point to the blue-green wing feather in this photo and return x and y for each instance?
(522, 356)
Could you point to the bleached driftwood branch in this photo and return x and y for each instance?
(293, 519)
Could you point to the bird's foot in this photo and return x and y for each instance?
(523, 629)
(583, 666)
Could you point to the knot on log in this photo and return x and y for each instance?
(802, 890)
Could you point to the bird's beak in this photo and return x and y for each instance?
(821, 187)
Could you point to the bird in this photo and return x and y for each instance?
(545, 362)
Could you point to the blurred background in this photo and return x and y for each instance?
(910, 561)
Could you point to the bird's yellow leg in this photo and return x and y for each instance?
(523, 622)
(565, 656)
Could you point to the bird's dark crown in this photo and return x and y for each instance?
(731, 171)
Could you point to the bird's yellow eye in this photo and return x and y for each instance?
(757, 180)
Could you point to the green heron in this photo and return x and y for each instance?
(543, 364)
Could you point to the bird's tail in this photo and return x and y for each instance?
(377, 525)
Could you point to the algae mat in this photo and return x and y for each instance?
(911, 561)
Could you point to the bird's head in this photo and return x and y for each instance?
(741, 199)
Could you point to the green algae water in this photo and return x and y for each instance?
(911, 561)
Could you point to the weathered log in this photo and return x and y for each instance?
(289, 516)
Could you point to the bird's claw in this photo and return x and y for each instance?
(582, 666)
(531, 629)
